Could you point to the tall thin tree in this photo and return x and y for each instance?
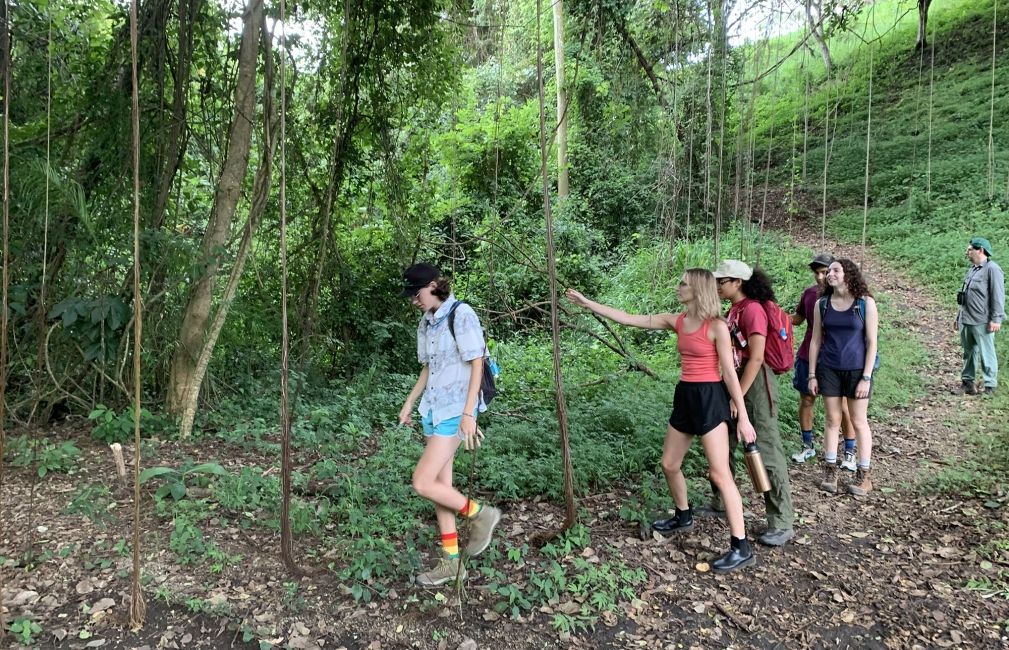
(5, 44)
(555, 327)
(562, 102)
(138, 609)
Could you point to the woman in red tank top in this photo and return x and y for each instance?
(700, 404)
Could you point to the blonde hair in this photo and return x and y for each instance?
(706, 302)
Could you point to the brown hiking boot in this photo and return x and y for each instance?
(829, 482)
(480, 530)
(446, 570)
(863, 483)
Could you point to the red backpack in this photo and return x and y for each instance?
(779, 350)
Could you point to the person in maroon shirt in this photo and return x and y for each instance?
(746, 289)
(804, 314)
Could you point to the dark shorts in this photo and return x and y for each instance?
(839, 383)
(699, 407)
(800, 378)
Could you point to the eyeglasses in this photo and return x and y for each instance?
(722, 281)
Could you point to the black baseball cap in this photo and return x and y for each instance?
(417, 277)
(822, 260)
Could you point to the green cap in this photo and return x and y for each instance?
(982, 243)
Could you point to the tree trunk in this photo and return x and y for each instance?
(570, 508)
(562, 102)
(183, 380)
(922, 40)
(260, 194)
(816, 29)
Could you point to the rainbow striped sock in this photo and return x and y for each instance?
(470, 509)
(450, 544)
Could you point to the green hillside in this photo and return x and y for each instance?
(923, 207)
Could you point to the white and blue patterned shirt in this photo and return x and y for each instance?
(448, 360)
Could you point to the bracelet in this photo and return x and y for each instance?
(811, 379)
(469, 414)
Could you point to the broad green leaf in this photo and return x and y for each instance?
(154, 472)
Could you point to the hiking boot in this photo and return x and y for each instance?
(805, 454)
(737, 558)
(863, 483)
(849, 461)
(989, 390)
(681, 522)
(969, 388)
(481, 528)
(445, 571)
(829, 482)
(715, 508)
(776, 536)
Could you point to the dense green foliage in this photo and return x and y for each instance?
(413, 134)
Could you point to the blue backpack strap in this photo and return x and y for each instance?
(860, 309)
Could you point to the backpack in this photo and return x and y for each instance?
(779, 350)
(821, 304)
(488, 389)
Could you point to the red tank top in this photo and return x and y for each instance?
(698, 356)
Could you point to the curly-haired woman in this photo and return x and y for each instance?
(747, 289)
(842, 355)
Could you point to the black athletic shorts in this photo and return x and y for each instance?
(839, 383)
(699, 407)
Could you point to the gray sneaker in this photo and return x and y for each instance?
(849, 461)
(481, 528)
(776, 536)
(445, 571)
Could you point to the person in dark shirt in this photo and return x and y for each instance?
(804, 314)
(842, 356)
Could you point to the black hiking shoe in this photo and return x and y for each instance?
(969, 388)
(739, 556)
(681, 522)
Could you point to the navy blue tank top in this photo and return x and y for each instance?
(843, 346)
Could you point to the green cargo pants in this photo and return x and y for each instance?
(762, 406)
(977, 343)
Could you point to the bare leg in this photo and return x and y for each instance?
(674, 448)
(716, 449)
(832, 429)
(849, 430)
(432, 478)
(806, 411)
(446, 516)
(860, 421)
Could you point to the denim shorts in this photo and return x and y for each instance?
(445, 429)
(800, 379)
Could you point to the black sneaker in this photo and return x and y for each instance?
(989, 390)
(969, 388)
(737, 558)
(679, 523)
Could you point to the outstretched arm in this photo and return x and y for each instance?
(664, 321)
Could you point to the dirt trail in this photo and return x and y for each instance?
(887, 571)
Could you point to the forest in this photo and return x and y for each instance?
(208, 207)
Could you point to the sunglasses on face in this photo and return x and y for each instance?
(975, 248)
(724, 280)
